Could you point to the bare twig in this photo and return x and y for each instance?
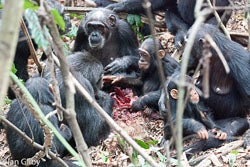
(217, 49)
(70, 115)
(219, 20)
(187, 50)
(30, 44)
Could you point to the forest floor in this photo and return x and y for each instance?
(148, 127)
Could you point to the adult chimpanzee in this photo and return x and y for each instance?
(198, 118)
(87, 70)
(109, 39)
(21, 117)
(179, 14)
(229, 94)
(148, 83)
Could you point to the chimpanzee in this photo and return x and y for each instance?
(179, 14)
(103, 3)
(87, 70)
(109, 39)
(192, 117)
(23, 51)
(229, 94)
(148, 83)
(22, 118)
(198, 118)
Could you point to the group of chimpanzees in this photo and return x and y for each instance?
(105, 45)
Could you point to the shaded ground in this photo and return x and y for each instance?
(148, 126)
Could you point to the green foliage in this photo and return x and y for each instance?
(142, 144)
(136, 24)
(7, 100)
(30, 5)
(36, 29)
(78, 16)
(72, 33)
(58, 19)
(105, 156)
(13, 68)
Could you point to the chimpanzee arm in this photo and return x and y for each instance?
(128, 51)
(123, 64)
(176, 26)
(239, 64)
(135, 6)
(149, 100)
(81, 40)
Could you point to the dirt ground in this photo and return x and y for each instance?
(148, 127)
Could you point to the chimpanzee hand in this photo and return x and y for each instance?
(138, 105)
(162, 106)
(203, 134)
(180, 39)
(218, 134)
(117, 66)
(117, 7)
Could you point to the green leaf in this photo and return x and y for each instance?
(235, 152)
(13, 68)
(30, 5)
(58, 19)
(78, 16)
(133, 19)
(142, 144)
(152, 142)
(36, 29)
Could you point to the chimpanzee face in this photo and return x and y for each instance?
(144, 61)
(194, 96)
(99, 26)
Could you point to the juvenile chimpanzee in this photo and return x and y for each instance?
(109, 39)
(198, 118)
(148, 83)
(179, 14)
(229, 94)
(87, 70)
(22, 118)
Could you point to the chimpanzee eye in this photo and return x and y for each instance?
(90, 28)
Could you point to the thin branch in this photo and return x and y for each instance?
(30, 44)
(219, 20)
(217, 49)
(69, 88)
(185, 58)
(9, 30)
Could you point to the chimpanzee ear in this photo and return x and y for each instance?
(112, 20)
(174, 93)
(161, 53)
